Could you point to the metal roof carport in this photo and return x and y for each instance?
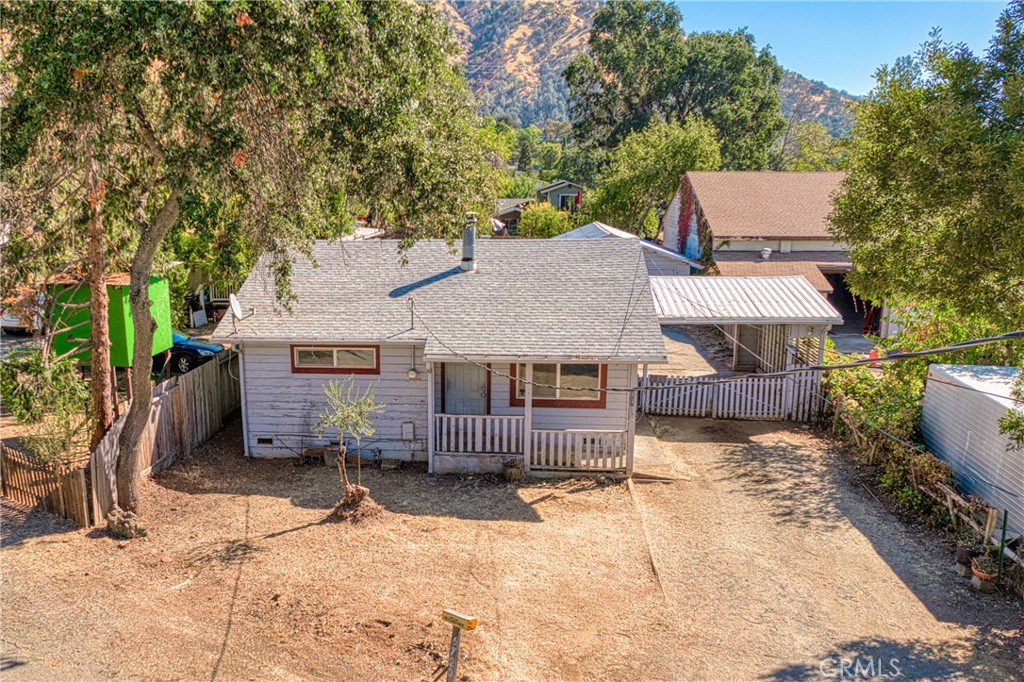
(767, 315)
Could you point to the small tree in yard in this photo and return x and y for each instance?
(348, 410)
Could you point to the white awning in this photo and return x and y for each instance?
(741, 300)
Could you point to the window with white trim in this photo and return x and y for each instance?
(344, 358)
(572, 381)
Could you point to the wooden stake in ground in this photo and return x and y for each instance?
(459, 623)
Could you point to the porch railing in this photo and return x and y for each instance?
(478, 434)
(578, 450)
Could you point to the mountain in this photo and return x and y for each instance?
(807, 100)
(515, 52)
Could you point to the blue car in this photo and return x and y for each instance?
(186, 354)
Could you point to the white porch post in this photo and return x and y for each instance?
(430, 417)
(631, 417)
(641, 404)
(528, 417)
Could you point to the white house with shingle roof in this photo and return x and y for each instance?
(531, 354)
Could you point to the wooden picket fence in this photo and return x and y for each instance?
(52, 487)
(185, 412)
(794, 396)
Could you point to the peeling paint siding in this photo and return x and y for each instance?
(961, 427)
(285, 406)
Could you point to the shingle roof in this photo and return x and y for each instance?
(527, 299)
(598, 230)
(504, 205)
(766, 204)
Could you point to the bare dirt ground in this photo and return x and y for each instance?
(770, 559)
(781, 562)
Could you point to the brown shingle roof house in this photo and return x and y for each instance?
(737, 214)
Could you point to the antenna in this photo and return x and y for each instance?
(236, 313)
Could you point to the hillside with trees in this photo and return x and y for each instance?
(515, 52)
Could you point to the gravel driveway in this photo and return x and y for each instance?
(781, 563)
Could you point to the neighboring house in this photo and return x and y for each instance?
(765, 224)
(658, 259)
(561, 194)
(960, 422)
(447, 350)
(509, 212)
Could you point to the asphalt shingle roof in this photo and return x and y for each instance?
(766, 204)
(534, 299)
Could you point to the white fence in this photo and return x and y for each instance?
(578, 450)
(478, 434)
(794, 396)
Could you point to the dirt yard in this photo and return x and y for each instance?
(764, 560)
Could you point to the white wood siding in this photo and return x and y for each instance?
(284, 407)
(659, 265)
(778, 246)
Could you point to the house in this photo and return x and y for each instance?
(562, 194)
(767, 224)
(963, 405)
(496, 354)
(508, 212)
(658, 259)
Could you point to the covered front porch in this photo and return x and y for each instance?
(556, 418)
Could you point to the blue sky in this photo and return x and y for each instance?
(842, 43)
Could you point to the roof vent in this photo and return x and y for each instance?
(469, 243)
(766, 253)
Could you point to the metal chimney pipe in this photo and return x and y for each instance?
(469, 243)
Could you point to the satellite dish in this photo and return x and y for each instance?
(236, 307)
(236, 313)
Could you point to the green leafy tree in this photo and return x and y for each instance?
(549, 155)
(808, 146)
(299, 113)
(933, 208)
(518, 186)
(640, 67)
(543, 221)
(644, 171)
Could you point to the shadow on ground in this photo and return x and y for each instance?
(219, 467)
(807, 481)
(18, 524)
(990, 659)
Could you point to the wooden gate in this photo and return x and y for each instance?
(54, 488)
(793, 396)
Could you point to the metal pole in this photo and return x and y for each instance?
(453, 654)
(1002, 549)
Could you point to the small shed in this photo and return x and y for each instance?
(73, 328)
(960, 422)
(762, 316)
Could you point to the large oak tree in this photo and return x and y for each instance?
(298, 115)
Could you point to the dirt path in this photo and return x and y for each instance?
(780, 563)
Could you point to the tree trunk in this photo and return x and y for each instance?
(352, 495)
(129, 446)
(100, 382)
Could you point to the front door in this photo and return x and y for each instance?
(465, 388)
